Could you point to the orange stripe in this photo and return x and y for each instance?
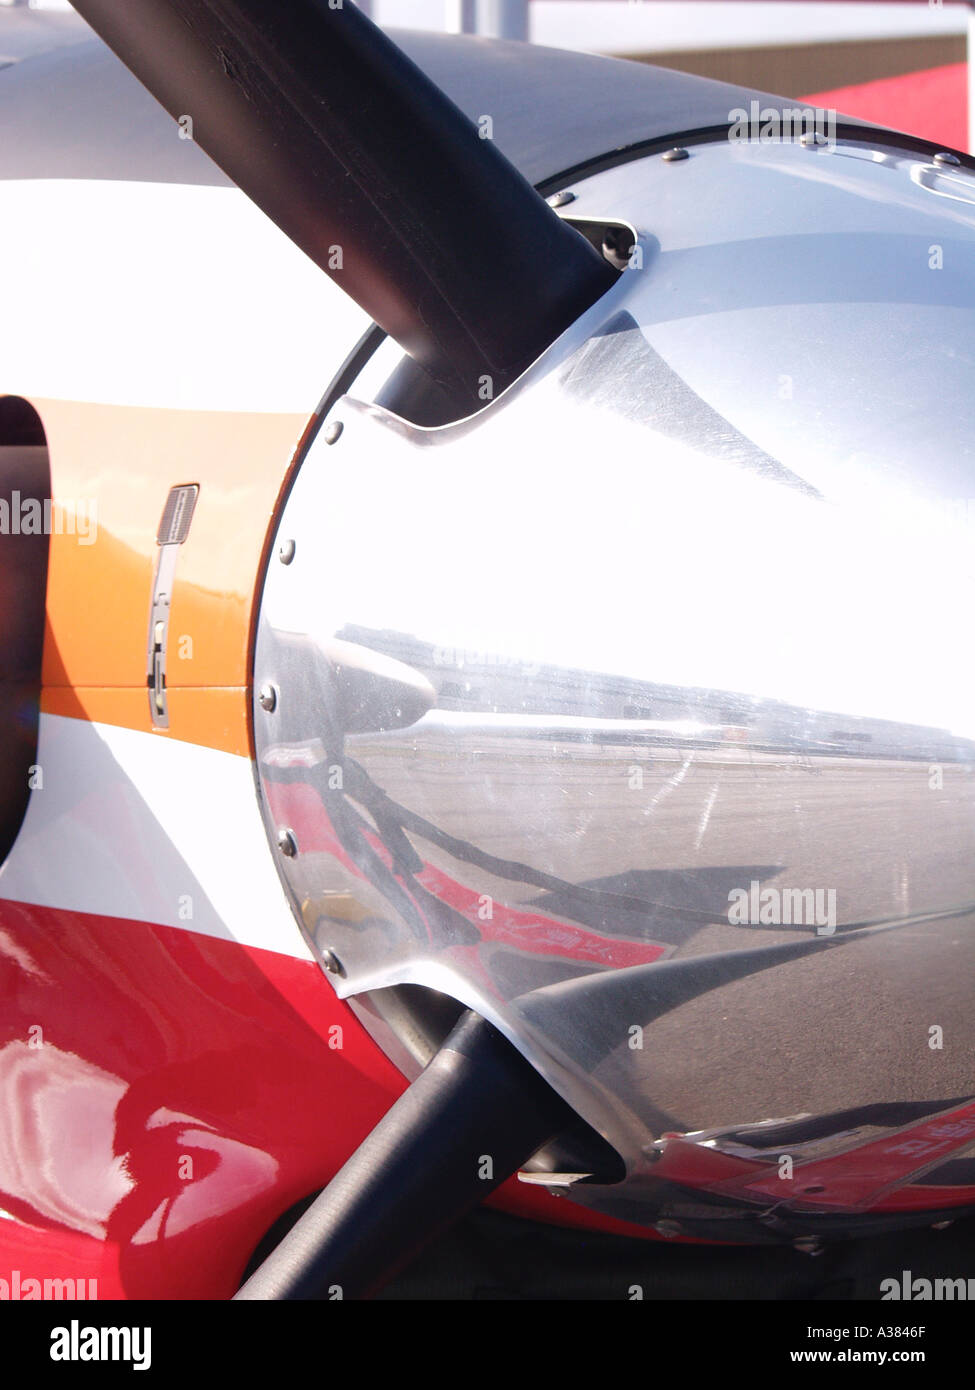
(124, 460)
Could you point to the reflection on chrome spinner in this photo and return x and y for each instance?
(637, 714)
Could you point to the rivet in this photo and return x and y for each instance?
(286, 552)
(332, 963)
(945, 157)
(268, 697)
(561, 199)
(671, 156)
(287, 843)
(810, 138)
(332, 431)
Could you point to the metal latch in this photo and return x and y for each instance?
(173, 530)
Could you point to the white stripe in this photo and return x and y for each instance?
(167, 295)
(145, 827)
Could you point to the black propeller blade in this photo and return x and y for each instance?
(372, 171)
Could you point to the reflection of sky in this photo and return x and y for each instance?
(566, 535)
(49, 1099)
(658, 565)
(58, 1151)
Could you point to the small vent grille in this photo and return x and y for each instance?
(177, 515)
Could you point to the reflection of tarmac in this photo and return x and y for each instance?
(843, 1026)
(876, 832)
(837, 1029)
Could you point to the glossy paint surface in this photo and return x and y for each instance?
(169, 1096)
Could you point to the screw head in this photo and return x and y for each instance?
(332, 963)
(268, 697)
(672, 156)
(287, 843)
(286, 552)
(668, 1229)
(332, 431)
(946, 157)
(809, 1245)
(561, 199)
(810, 138)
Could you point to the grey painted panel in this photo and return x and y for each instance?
(77, 113)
